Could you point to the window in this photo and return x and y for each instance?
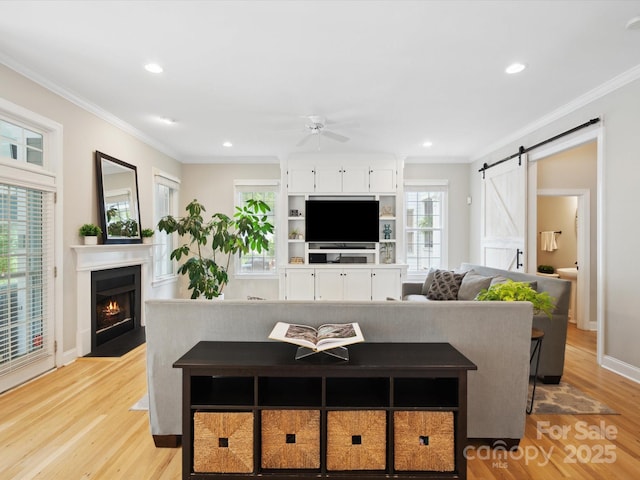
(166, 189)
(19, 143)
(265, 262)
(425, 223)
(27, 207)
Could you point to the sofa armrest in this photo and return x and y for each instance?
(411, 288)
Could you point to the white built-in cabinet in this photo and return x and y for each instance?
(339, 179)
(380, 276)
(351, 283)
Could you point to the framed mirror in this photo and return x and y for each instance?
(118, 203)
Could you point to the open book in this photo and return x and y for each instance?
(325, 337)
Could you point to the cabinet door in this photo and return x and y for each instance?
(329, 285)
(382, 180)
(328, 180)
(355, 179)
(301, 180)
(299, 284)
(357, 283)
(386, 282)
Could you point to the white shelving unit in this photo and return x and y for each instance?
(363, 271)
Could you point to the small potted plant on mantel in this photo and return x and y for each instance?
(90, 233)
(146, 234)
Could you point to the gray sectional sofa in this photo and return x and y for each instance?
(496, 336)
(554, 328)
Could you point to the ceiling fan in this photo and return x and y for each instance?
(316, 126)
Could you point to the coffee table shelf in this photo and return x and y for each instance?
(250, 409)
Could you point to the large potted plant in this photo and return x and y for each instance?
(212, 243)
(511, 291)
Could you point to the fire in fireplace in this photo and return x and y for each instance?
(115, 303)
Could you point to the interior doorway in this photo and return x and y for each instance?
(572, 168)
(566, 213)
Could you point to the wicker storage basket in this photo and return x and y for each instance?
(223, 442)
(290, 439)
(356, 440)
(424, 441)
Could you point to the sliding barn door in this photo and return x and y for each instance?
(504, 207)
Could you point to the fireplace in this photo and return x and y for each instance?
(115, 304)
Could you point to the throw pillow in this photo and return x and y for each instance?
(472, 284)
(445, 285)
(428, 281)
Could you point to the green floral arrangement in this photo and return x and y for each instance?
(511, 291)
(90, 230)
(147, 233)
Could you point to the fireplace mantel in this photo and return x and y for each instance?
(101, 257)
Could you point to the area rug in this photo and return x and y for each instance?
(566, 399)
(143, 403)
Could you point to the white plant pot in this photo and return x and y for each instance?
(91, 240)
(147, 240)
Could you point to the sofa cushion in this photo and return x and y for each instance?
(415, 298)
(445, 285)
(428, 281)
(500, 279)
(472, 284)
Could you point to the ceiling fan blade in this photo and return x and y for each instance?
(304, 140)
(334, 136)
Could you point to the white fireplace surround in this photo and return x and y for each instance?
(90, 258)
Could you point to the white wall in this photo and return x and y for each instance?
(619, 228)
(213, 187)
(83, 134)
(458, 177)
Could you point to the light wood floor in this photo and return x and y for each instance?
(75, 423)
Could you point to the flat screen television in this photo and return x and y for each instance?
(342, 221)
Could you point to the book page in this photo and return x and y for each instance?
(325, 337)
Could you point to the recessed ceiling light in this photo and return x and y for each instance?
(168, 121)
(515, 68)
(153, 68)
(634, 24)
(227, 144)
(427, 144)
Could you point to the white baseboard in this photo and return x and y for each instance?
(621, 368)
(69, 356)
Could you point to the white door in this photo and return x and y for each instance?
(301, 180)
(299, 284)
(329, 180)
(504, 194)
(355, 179)
(385, 283)
(26, 284)
(382, 180)
(329, 284)
(357, 283)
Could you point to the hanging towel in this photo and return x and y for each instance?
(548, 241)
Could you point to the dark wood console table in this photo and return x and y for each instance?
(394, 409)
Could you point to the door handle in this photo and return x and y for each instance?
(518, 263)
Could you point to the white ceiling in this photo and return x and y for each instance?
(394, 73)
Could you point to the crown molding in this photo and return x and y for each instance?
(86, 105)
(600, 91)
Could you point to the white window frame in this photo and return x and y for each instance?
(427, 185)
(256, 186)
(46, 177)
(167, 180)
